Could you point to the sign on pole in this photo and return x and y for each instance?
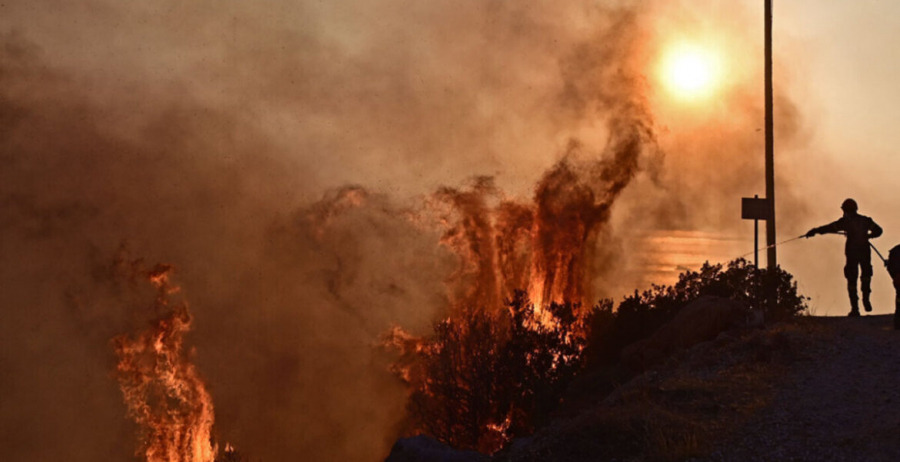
(754, 208)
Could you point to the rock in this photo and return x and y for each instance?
(427, 449)
(702, 320)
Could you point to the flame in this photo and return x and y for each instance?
(164, 393)
(508, 249)
(545, 246)
(501, 429)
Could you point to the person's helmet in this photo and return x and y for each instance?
(849, 205)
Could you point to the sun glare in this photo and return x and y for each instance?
(690, 72)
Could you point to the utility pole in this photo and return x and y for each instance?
(771, 258)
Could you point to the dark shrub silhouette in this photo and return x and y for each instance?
(488, 377)
(641, 314)
(483, 377)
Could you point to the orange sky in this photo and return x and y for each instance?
(850, 60)
(199, 134)
(838, 64)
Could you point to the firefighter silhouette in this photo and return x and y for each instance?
(858, 229)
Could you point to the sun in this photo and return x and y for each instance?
(690, 72)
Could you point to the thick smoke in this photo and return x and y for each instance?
(219, 137)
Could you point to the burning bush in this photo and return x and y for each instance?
(483, 378)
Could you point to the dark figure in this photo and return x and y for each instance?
(893, 266)
(858, 229)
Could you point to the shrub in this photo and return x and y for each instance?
(641, 314)
(484, 378)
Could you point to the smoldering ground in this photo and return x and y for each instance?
(220, 137)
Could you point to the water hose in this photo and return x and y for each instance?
(884, 260)
(773, 245)
(879, 254)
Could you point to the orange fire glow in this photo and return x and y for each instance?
(544, 247)
(162, 389)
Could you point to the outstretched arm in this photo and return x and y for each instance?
(831, 228)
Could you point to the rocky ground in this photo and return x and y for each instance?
(843, 404)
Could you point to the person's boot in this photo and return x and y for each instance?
(854, 308)
(867, 305)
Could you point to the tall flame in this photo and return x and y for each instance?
(546, 246)
(162, 389)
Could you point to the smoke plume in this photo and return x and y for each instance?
(488, 146)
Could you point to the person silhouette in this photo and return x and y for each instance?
(858, 229)
(893, 266)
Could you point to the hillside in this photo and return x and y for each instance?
(814, 389)
(817, 389)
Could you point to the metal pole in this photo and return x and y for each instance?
(756, 239)
(770, 145)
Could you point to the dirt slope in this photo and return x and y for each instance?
(842, 404)
(817, 389)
